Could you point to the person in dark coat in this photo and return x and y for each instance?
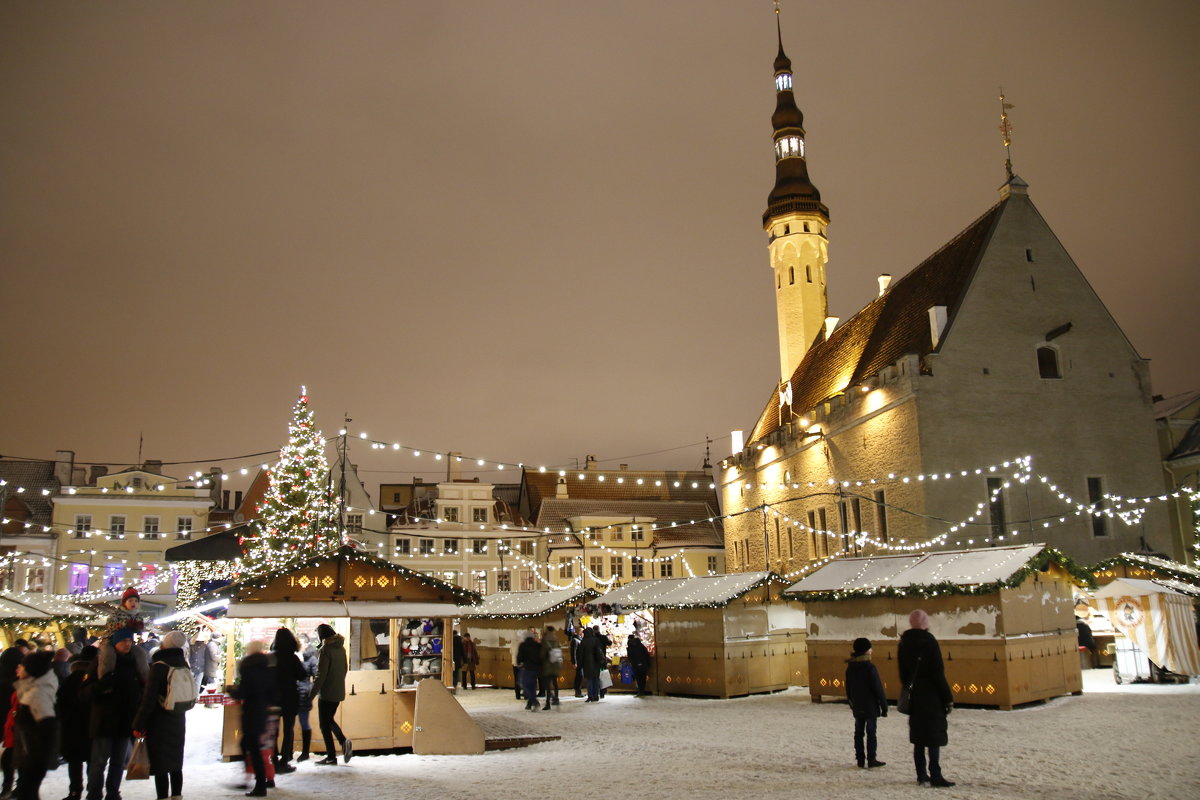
(529, 662)
(330, 689)
(864, 691)
(308, 660)
(639, 660)
(920, 662)
(114, 698)
(460, 656)
(605, 643)
(470, 660)
(1087, 640)
(163, 730)
(289, 671)
(10, 659)
(591, 660)
(75, 745)
(255, 689)
(35, 726)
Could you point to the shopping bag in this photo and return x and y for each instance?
(605, 679)
(139, 762)
(626, 673)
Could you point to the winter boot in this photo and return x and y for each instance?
(306, 742)
(547, 706)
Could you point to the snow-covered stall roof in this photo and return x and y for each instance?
(703, 590)
(896, 573)
(502, 605)
(1164, 567)
(15, 611)
(52, 605)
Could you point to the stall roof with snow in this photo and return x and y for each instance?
(708, 591)
(977, 571)
(518, 605)
(61, 608)
(1180, 577)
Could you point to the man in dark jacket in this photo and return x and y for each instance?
(639, 661)
(114, 698)
(592, 659)
(330, 690)
(864, 690)
(920, 662)
(73, 715)
(529, 662)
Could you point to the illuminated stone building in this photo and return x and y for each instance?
(882, 431)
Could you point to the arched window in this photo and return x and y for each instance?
(1047, 359)
(791, 276)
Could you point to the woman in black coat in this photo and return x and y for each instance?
(163, 730)
(256, 688)
(920, 662)
(289, 670)
(73, 720)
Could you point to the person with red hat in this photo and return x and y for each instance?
(126, 617)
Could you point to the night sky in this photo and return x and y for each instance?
(531, 231)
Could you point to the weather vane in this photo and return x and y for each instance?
(1006, 130)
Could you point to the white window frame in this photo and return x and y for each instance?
(479, 514)
(116, 526)
(184, 527)
(150, 527)
(83, 525)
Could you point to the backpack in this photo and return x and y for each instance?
(555, 655)
(181, 690)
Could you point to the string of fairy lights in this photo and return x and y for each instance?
(1129, 510)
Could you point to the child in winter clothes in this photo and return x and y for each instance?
(864, 690)
(125, 617)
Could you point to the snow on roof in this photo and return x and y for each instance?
(704, 590)
(52, 605)
(1180, 571)
(1133, 587)
(960, 567)
(526, 604)
(11, 610)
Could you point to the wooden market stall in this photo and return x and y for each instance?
(394, 621)
(498, 623)
(712, 636)
(1002, 616)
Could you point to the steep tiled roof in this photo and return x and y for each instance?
(33, 476)
(888, 328)
(703, 533)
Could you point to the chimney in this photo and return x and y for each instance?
(589, 462)
(560, 491)
(152, 466)
(224, 505)
(453, 466)
(830, 324)
(937, 324)
(98, 471)
(64, 466)
(78, 476)
(237, 499)
(885, 280)
(624, 467)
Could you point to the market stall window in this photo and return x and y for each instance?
(420, 650)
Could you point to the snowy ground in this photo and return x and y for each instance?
(1112, 742)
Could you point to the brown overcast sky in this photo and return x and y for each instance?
(531, 230)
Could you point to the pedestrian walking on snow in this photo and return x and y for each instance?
(864, 691)
(330, 690)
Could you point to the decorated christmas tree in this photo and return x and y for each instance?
(299, 515)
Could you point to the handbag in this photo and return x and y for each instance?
(139, 762)
(605, 679)
(904, 702)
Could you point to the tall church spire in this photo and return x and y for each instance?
(796, 222)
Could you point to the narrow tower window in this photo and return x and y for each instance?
(783, 82)
(789, 147)
(808, 272)
(1047, 359)
(791, 276)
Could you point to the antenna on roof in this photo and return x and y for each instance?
(1006, 130)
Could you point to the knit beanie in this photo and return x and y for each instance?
(861, 645)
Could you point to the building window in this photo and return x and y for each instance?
(789, 147)
(149, 578)
(450, 547)
(566, 568)
(116, 527)
(1029, 254)
(8, 577)
(479, 547)
(114, 577)
(528, 548)
(791, 276)
(354, 523)
(35, 579)
(479, 515)
(1047, 359)
(527, 580)
(996, 517)
(666, 570)
(150, 527)
(844, 517)
(402, 546)
(808, 272)
(83, 525)
(479, 582)
(616, 566)
(1095, 488)
(503, 582)
(783, 82)
(637, 569)
(79, 579)
(617, 534)
(425, 546)
(396, 497)
(450, 513)
(183, 527)
(823, 524)
(596, 566)
(812, 535)
(637, 533)
(450, 577)
(856, 514)
(881, 519)
(712, 565)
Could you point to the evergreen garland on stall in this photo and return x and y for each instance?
(299, 515)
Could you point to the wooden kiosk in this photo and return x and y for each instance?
(394, 621)
(712, 636)
(497, 623)
(1002, 616)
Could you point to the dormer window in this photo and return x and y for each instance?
(783, 82)
(789, 147)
